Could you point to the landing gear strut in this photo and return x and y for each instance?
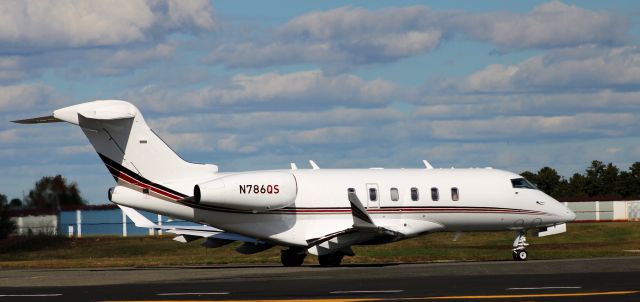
(333, 259)
(292, 257)
(519, 245)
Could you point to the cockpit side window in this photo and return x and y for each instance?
(521, 183)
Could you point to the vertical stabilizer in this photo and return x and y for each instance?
(127, 145)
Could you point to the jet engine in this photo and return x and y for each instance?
(254, 191)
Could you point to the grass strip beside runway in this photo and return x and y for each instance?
(582, 240)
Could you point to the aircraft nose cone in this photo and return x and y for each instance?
(569, 215)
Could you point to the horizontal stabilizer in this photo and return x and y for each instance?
(186, 233)
(39, 120)
(185, 238)
(138, 219)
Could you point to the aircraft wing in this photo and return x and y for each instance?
(363, 229)
(186, 233)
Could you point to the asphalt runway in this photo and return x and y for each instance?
(602, 279)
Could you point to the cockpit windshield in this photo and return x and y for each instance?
(521, 183)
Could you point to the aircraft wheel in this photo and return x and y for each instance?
(292, 257)
(333, 259)
(520, 255)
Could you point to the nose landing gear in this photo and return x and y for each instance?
(519, 245)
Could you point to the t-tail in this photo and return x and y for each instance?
(134, 154)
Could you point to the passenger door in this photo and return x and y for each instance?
(373, 196)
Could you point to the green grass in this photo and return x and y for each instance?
(582, 240)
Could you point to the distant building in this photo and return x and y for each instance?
(33, 222)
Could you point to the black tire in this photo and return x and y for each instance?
(520, 255)
(330, 260)
(292, 258)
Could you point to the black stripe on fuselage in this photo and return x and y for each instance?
(115, 168)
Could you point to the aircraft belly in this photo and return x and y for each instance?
(488, 221)
(285, 229)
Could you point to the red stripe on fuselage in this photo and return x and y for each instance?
(142, 185)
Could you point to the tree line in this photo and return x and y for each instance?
(598, 180)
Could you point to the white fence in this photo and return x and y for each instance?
(595, 211)
(84, 222)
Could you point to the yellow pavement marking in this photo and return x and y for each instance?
(628, 292)
(254, 300)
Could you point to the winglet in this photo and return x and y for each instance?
(314, 165)
(294, 166)
(137, 218)
(361, 218)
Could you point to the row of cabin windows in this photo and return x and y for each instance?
(415, 196)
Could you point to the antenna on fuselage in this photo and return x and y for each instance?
(314, 165)
(427, 165)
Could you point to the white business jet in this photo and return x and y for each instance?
(323, 212)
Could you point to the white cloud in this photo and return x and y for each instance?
(191, 14)
(188, 141)
(549, 25)
(585, 68)
(22, 97)
(13, 68)
(120, 61)
(96, 38)
(74, 149)
(457, 106)
(507, 115)
(276, 120)
(305, 89)
(524, 128)
(340, 36)
(72, 23)
(347, 36)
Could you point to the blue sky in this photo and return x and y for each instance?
(516, 85)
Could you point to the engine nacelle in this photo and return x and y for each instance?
(253, 191)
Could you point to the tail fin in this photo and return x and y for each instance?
(125, 143)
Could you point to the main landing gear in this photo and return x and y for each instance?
(333, 259)
(292, 257)
(519, 245)
(295, 257)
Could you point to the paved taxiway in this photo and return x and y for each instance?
(602, 279)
